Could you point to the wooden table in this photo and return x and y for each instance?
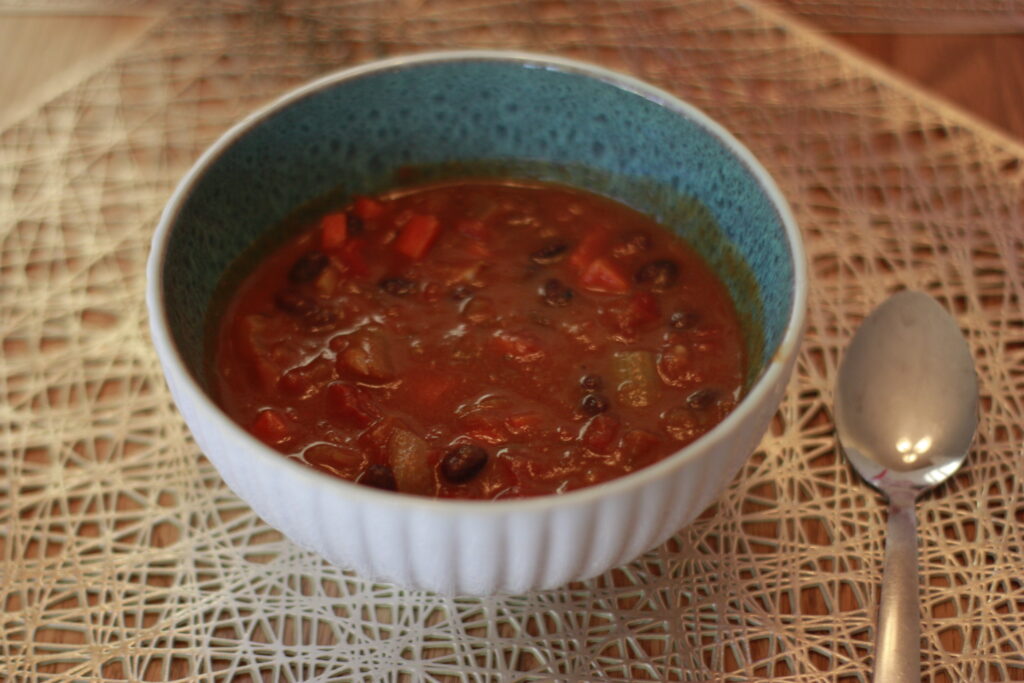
(123, 556)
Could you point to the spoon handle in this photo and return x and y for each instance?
(898, 651)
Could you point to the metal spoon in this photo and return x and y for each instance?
(906, 409)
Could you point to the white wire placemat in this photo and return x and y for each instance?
(123, 556)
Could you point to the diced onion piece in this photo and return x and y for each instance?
(408, 455)
(636, 378)
(601, 275)
(368, 357)
(253, 340)
(343, 462)
(588, 249)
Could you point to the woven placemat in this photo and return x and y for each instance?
(123, 555)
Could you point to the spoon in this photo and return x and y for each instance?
(906, 409)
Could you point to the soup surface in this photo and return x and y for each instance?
(480, 339)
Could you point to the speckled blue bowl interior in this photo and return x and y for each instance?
(482, 117)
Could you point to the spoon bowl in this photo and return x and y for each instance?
(906, 410)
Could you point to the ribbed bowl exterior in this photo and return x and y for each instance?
(464, 549)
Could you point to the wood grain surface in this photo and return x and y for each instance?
(45, 54)
(982, 74)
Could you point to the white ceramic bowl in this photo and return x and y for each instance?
(560, 120)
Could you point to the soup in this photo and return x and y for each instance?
(479, 339)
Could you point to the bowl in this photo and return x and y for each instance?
(486, 113)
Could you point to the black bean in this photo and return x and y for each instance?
(551, 253)
(307, 267)
(659, 275)
(354, 225)
(379, 477)
(592, 404)
(592, 382)
(398, 286)
(462, 463)
(683, 320)
(702, 399)
(556, 293)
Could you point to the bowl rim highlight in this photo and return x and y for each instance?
(172, 360)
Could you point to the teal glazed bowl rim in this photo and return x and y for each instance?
(176, 367)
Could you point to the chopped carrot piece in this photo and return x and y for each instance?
(271, 427)
(352, 256)
(601, 275)
(375, 438)
(352, 404)
(418, 235)
(333, 230)
(367, 208)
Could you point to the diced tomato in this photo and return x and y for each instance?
(638, 445)
(352, 256)
(333, 230)
(367, 208)
(271, 427)
(601, 275)
(643, 308)
(638, 312)
(523, 424)
(428, 386)
(352, 404)
(520, 346)
(473, 228)
(588, 249)
(478, 250)
(599, 434)
(418, 235)
(484, 428)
